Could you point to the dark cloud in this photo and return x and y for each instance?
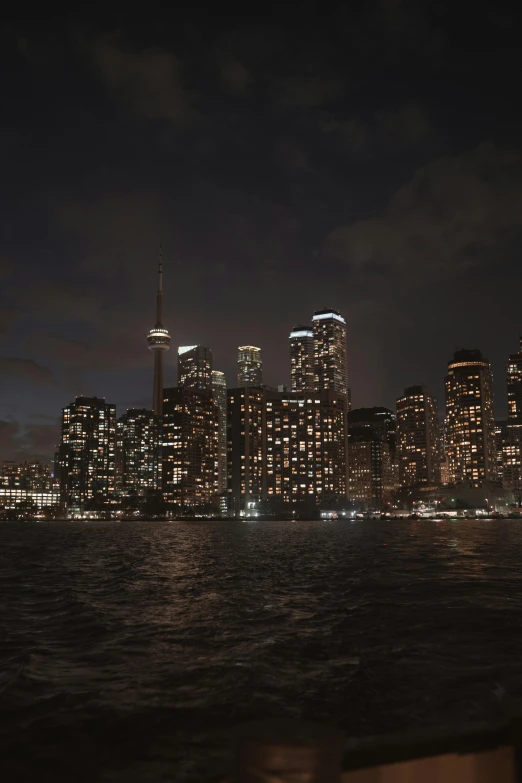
(452, 215)
(404, 126)
(148, 80)
(236, 78)
(26, 370)
(10, 445)
(18, 442)
(306, 92)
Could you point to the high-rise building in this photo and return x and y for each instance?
(372, 461)
(190, 448)
(470, 421)
(245, 448)
(87, 452)
(249, 366)
(512, 441)
(195, 367)
(418, 442)
(219, 392)
(138, 452)
(330, 362)
(514, 385)
(32, 475)
(302, 358)
(305, 447)
(159, 341)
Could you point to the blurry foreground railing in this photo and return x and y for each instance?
(293, 752)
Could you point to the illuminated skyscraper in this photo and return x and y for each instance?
(470, 422)
(245, 449)
(305, 447)
(249, 366)
(159, 341)
(87, 452)
(418, 442)
(195, 367)
(190, 448)
(138, 452)
(512, 440)
(219, 392)
(330, 362)
(302, 358)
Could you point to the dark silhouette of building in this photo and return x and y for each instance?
(245, 449)
(372, 464)
(418, 440)
(470, 422)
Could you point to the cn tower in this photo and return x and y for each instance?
(159, 341)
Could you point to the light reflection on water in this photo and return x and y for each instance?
(135, 647)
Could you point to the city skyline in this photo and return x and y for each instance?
(284, 168)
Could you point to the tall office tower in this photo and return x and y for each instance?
(87, 452)
(245, 449)
(219, 393)
(138, 452)
(470, 422)
(372, 461)
(330, 362)
(305, 447)
(514, 385)
(512, 445)
(190, 448)
(159, 341)
(249, 366)
(195, 367)
(418, 442)
(302, 358)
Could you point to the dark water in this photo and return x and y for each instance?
(128, 651)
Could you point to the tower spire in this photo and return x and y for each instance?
(159, 295)
(159, 341)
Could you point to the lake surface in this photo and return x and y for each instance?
(129, 651)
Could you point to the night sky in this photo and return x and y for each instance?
(365, 157)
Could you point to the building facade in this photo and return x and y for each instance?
(372, 457)
(219, 392)
(512, 436)
(471, 445)
(305, 447)
(302, 359)
(245, 449)
(190, 449)
(418, 440)
(138, 452)
(249, 366)
(87, 452)
(330, 360)
(195, 367)
(32, 475)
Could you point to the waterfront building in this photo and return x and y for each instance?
(330, 360)
(245, 449)
(470, 422)
(195, 367)
(418, 444)
(372, 458)
(190, 449)
(305, 447)
(512, 441)
(514, 385)
(249, 366)
(138, 452)
(32, 475)
(219, 392)
(87, 452)
(159, 341)
(12, 499)
(302, 358)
